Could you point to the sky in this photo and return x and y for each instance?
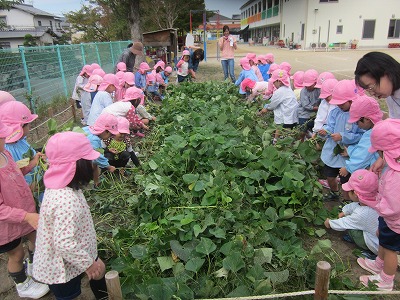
(57, 7)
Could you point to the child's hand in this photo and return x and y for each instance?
(32, 219)
(378, 165)
(337, 137)
(322, 132)
(111, 169)
(343, 172)
(113, 151)
(344, 153)
(153, 118)
(145, 127)
(326, 223)
(97, 270)
(341, 215)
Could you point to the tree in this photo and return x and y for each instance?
(6, 4)
(29, 41)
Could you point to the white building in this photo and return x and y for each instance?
(314, 23)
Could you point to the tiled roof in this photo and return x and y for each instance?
(32, 10)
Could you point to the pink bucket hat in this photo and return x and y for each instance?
(286, 67)
(327, 88)
(129, 78)
(160, 64)
(185, 52)
(270, 58)
(366, 107)
(123, 125)
(63, 150)
(310, 77)
(251, 56)
(298, 79)
(247, 82)
(385, 136)
(345, 90)
(86, 69)
(5, 131)
(120, 75)
(143, 67)
(322, 77)
(262, 59)
(95, 66)
(364, 183)
(280, 75)
(150, 79)
(93, 83)
(109, 79)
(121, 66)
(244, 63)
(168, 70)
(105, 122)
(6, 97)
(272, 68)
(133, 93)
(15, 114)
(99, 71)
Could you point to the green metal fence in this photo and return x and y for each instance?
(49, 71)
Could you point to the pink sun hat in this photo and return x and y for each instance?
(99, 71)
(251, 56)
(364, 183)
(160, 64)
(109, 79)
(262, 59)
(121, 66)
(93, 83)
(322, 77)
(310, 77)
(123, 125)
(385, 136)
(6, 97)
(366, 107)
(120, 75)
(133, 93)
(280, 75)
(105, 122)
(270, 57)
(247, 82)
(129, 78)
(150, 79)
(143, 67)
(15, 114)
(86, 69)
(5, 130)
(272, 68)
(244, 63)
(63, 150)
(95, 66)
(345, 90)
(327, 88)
(298, 79)
(168, 70)
(286, 67)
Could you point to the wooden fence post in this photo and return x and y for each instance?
(322, 280)
(73, 110)
(113, 285)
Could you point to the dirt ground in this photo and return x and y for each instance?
(341, 63)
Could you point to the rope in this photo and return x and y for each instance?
(45, 136)
(302, 293)
(56, 115)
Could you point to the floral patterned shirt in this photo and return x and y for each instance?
(66, 243)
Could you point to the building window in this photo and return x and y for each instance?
(5, 45)
(394, 28)
(369, 29)
(269, 3)
(255, 8)
(51, 24)
(252, 10)
(303, 27)
(39, 23)
(3, 20)
(339, 29)
(265, 5)
(259, 6)
(276, 2)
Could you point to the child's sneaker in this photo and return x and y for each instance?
(32, 289)
(139, 134)
(324, 183)
(28, 267)
(378, 281)
(368, 265)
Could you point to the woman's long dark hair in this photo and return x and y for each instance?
(199, 53)
(83, 174)
(377, 65)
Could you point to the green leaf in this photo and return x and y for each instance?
(320, 232)
(278, 277)
(199, 186)
(233, 262)
(262, 255)
(240, 291)
(138, 251)
(219, 233)
(325, 244)
(153, 165)
(165, 262)
(160, 291)
(206, 246)
(183, 252)
(246, 131)
(190, 178)
(197, 229)
(194, 264)
(256, 273)
(52, 126)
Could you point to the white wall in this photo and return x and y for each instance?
(45, 21)
(294, 14)
(18, 18)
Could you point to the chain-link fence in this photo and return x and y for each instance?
(38, 74)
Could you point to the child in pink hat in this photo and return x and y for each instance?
(140, 76)
(104, 97)
(247, 72)
(270, 58)
(263, 66)
(359, 220)
(19, 219)
(297, 82)
(385, 138)
(322, 78)
(365, 112)
(153, 87)
(78, 91)
(183, 66)
(253, 88)
(309, 96)
(338, 131)
(127, 80)
(6, 97)
(283, 102)
(119, 149)
(18, 117)
(66, 231)
(252, 57)
(93, 85)
(121, 66)
(99, 72)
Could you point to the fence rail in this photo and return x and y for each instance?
(36, 74)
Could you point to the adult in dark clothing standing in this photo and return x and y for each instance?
(128, 56)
